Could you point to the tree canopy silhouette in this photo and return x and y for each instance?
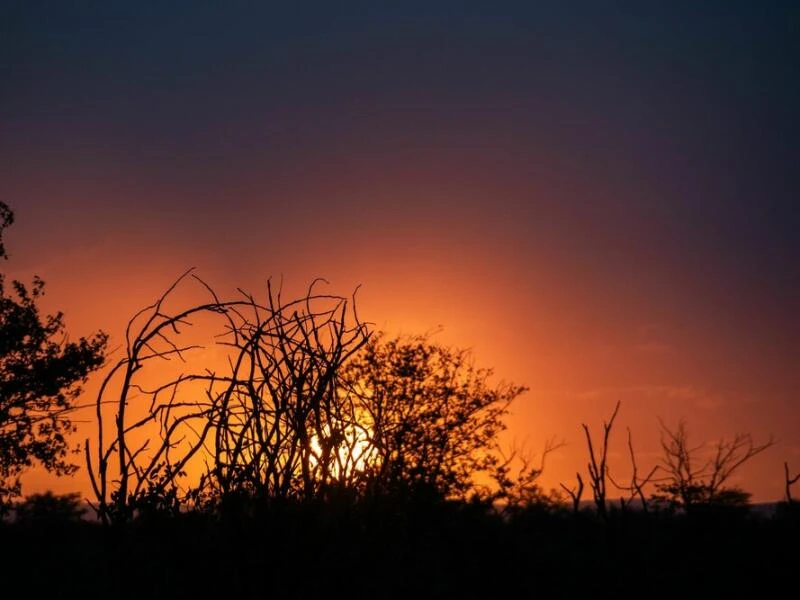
(433, 416)
(41, 373)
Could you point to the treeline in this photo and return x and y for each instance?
(398, 548)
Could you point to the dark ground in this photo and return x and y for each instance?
(386, 551)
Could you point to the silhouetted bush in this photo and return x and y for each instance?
(49, 509)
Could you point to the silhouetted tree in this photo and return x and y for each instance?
(695, 476)
(41, 373)
(432, 417)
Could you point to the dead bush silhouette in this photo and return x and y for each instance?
(598, 465)
(269, 423)
(284, 429)
(695, 477)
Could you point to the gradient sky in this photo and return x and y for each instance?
(600, 202)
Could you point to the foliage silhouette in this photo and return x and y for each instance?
(41, 373)
(432, 416)
(48, 509)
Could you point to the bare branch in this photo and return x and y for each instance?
(575, 493)
(598, 465)
(790, 481)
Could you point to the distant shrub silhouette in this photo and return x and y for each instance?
(48, 508)
(517, 480)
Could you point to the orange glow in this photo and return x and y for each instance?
(534, 306)
(574, 377)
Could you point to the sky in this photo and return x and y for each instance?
(599, 199)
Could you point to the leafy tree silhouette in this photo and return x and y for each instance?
(433, 416)
(41, 373)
